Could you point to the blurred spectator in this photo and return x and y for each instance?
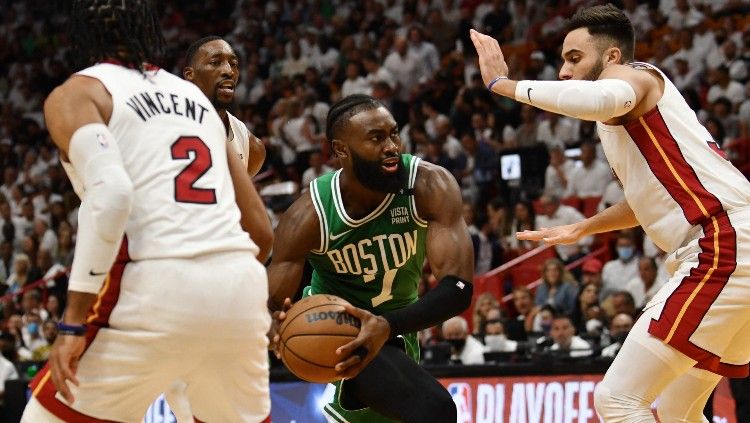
(49, 332)
(424, 50)
(618, 331)
(526, 134)
(355, 83)
(7, 260)
(683, 15)
(592, 177)
(563, 333)
(557, 131)
(32, 337)
(377, 73)
(524, 219)
(493, 334)
(540, 70)
(685, 77)
(738, 152)
(647, 284)
(558, 171)
(723, 86)
(557, 288)
(488, 252)
(465, 349)
(618, 272)
(483, 304)
(317, 168)
(20, 275)
(588, 296)
(53, 308)
(622, 302)
(556, 214)
(406, 67)
(523, 303)
(480, 172)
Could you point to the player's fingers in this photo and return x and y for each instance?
(530, 235)
(347, 349)
(477, 40)
(354, 311)
(343, 366)
(287, 304)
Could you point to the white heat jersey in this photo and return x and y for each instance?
(173, 147)
(673, 173)
(239, 137)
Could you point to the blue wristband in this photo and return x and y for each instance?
(497, 78)
(75, 330)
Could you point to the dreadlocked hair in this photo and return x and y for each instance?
(125, 30)
(344, 109)
(193, 49)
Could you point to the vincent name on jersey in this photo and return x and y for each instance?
(147, 105)
(360, 258)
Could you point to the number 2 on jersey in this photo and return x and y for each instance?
(385, 293)
(184, 189)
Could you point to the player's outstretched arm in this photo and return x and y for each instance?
(253, 217)
(619, 91)
(619, 216)
(76, 114)
(451, 257)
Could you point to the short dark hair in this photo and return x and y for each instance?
(193, 49)
(607, 21)
(344, 109)
(127, 30)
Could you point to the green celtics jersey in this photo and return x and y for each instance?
(375, 262)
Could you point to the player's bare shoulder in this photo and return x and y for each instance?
(436, 191)
(299, 228)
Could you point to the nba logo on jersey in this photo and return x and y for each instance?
(102, 140)
(461, 393)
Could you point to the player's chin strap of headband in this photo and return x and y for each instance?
(451, 296)
(105, 206)
(598, 101)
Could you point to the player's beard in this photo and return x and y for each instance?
(594, 73)
(371, 175)
(220, 105)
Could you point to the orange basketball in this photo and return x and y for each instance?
(313, 329)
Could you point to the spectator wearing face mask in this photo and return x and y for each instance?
(618, 331)
(617, 273)
(494, 333)
(464, 348)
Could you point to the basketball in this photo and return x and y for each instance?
(311, 332)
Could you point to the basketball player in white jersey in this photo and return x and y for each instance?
(212, 65)
(680, 189)
(180, 292)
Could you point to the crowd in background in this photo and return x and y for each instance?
(298, 57)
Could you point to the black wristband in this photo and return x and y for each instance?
(451, 296)
(74, 330)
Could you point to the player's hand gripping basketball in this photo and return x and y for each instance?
(565, 234)
(358, 353)
(63, 362)
(277, 318)
(491, 61)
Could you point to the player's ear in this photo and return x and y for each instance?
(340, 150)
(187, 73)
(613, 55)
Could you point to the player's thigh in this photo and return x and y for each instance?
(684, 399)
(645, 365)
(231, 386)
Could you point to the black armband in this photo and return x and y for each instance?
(451, 296)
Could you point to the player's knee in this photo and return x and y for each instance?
(614, 406)
(439, 408)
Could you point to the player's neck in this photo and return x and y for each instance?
(224, 119)
(358, 200)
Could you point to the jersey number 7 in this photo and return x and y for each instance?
(184, 189)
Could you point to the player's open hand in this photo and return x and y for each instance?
(566, 234)
(358, 353)
(63, 363)
(277, 318)
(491, 60)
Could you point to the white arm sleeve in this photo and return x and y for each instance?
(105, 206)
(588, 100)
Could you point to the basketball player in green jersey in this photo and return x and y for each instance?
(366, 230)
